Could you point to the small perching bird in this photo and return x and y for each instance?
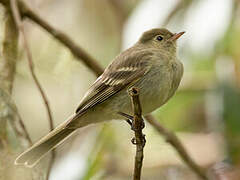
(150, 65)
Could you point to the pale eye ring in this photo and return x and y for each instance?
(159, 38)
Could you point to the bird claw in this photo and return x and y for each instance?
(134, 141)
(142, 125)
(144, 139)
(130, 121)
(134, 128)
(129, 118)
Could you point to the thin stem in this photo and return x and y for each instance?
(63, 38)
(8, 70)
(26, 134)
(76, 50)
(172, 139)
(18, 21)
(137, 126)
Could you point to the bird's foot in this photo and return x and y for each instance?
(143, 139)
(129, 120)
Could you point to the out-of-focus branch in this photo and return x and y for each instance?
(13, 134)
(18, 21)
(9, 54)
(89, 61)
(7, 68)
(181, 5)
(137, 126)
(12, 116)
(172, 139)
(26, 11)
(76, 50)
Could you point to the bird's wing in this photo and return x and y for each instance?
(117, 76)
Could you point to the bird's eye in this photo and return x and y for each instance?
(159, 38)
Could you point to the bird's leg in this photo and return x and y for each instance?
(129, 118)
(129, 122)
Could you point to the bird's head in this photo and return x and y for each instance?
(161, 39)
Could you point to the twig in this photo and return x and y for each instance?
(8, 69)
(18, 21)
(137, 126)
(26, 11)
(172, 139)
(181, 4)
(76, 50)
(25, 133)
(173, 12)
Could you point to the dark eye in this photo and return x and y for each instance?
(159, 38)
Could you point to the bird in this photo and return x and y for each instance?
(151, 65)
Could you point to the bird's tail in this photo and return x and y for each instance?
(32, 155)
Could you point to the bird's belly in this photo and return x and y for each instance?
(157, 92)
(154, 90)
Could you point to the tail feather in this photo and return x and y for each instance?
(31, 156)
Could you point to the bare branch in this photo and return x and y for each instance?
(9, 113)
(89, 61)
(76, 50)
(13, 134)
(9, 54)
(23, 128)
(7, 69)
(137, 126)
(18, 21)
(180, 5)
(172, 139)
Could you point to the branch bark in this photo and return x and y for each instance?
(13, 134)
(18, 21)
(172, 139)
(9, 53)
(89, 61)
(137, 126)
(180, 5)
(77, 51)
(7, 68)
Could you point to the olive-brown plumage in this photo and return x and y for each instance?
(150, 65)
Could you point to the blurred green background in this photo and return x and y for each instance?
(205, 112)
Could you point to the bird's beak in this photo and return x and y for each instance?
(176, 36)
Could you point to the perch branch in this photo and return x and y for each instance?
(172, 139)
(137, 126)
(18, 21)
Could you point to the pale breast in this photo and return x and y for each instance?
(155, 88)
(177, 72)
(159, 85)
